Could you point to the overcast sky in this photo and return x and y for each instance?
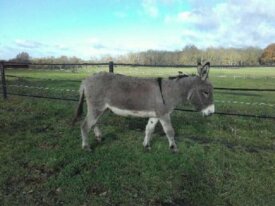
(92, 28)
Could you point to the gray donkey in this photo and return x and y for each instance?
(143, 97)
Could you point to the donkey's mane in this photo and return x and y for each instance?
(179, 76)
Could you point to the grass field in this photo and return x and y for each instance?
(223, 160)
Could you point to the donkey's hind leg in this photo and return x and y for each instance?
(90, 121)
(150, 127)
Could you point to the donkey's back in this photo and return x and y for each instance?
(119, 92)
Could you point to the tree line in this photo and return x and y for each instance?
(189, 55)
(24, 57)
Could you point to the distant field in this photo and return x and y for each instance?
(223, 160)
(220, 77)
(144, 71)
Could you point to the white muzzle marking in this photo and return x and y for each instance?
(208, 110)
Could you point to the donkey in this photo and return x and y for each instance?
(143, 97)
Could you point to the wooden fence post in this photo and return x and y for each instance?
(4, 85)
(111, 67)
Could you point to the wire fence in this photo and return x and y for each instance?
(75, 91)
(215, 88)
(111, 65)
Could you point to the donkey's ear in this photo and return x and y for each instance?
(203, 70)
(199, 61)
(199, 67)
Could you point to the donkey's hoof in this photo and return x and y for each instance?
(98, 139)
(174, 149)
(147, 147)
(87, 148)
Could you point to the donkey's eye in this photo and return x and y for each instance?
(205, 93)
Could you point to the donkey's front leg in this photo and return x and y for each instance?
(150, 127)
(169, 131)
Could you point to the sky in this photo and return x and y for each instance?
(95, 28)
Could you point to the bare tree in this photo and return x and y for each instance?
(22, 57)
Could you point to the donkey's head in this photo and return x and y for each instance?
(201, 93)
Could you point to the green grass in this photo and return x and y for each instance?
(222, 160)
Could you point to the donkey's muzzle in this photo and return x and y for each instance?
(208, 110)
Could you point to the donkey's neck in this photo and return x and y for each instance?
(175, 91)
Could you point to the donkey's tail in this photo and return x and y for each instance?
(79, 109)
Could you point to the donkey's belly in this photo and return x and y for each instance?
(135, 113)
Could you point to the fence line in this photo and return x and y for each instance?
(3, 79)
(42, 88)
(43, 97)
(246, 103)
(245, 89)
(177, 109)
(233, 114)
(18, 65)
(243, 77)
(216, 88)
(216, 76)
(42, 79)
(73, 90)
(148, 65)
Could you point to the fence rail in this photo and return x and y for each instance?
(244, 89)
(111, 65)
(177, 109)
(216, 88)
